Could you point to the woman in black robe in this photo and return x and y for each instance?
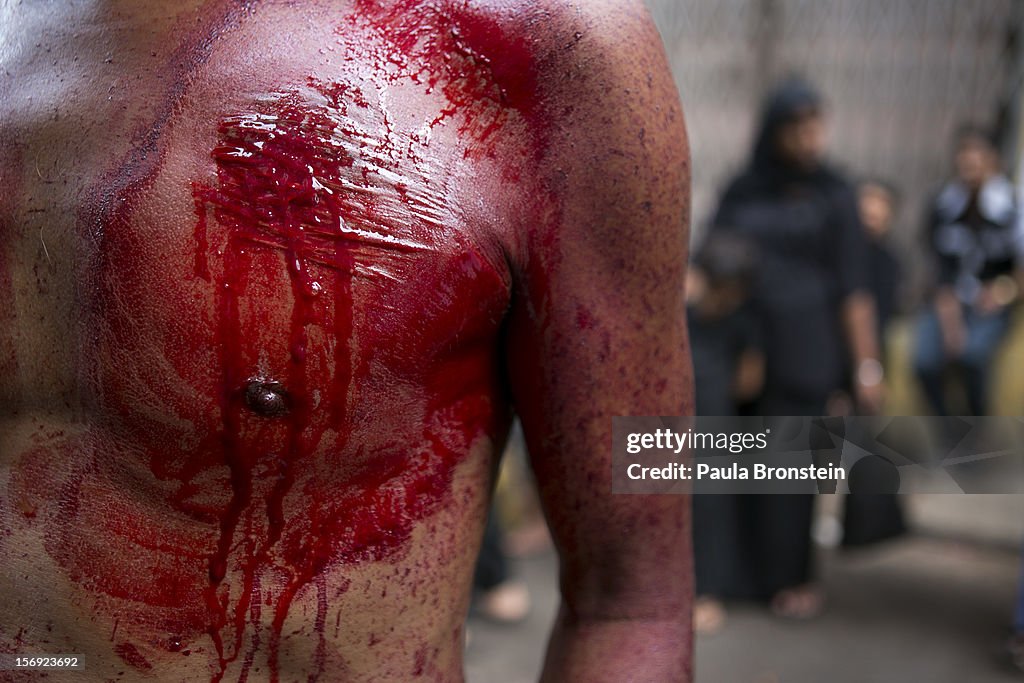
(819, 321)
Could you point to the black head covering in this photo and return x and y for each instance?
(789, 101)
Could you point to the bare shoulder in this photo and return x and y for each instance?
(616, 151)
(550, 21)
(602, 68)
(583, 42)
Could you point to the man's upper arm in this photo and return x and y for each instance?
(598, 327)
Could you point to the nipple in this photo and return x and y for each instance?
(266, 398)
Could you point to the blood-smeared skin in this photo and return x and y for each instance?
(485, 71)
(283, 185)
(326, 261)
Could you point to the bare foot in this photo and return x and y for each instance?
(506, 603)
(801, 602)
(708, 615)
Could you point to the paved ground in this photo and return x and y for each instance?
(920, 610)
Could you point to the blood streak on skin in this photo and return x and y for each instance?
(284, 175)
(278, 179)
(485, 71)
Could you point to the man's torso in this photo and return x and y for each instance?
(252, 282)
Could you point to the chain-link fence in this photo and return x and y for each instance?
(899, 77)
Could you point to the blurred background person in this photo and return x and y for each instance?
(872, 518)
(970, 233)
(812, 296)
(728, 370)
(877, 202)
(727, 358)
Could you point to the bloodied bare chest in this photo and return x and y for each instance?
(283, 328)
